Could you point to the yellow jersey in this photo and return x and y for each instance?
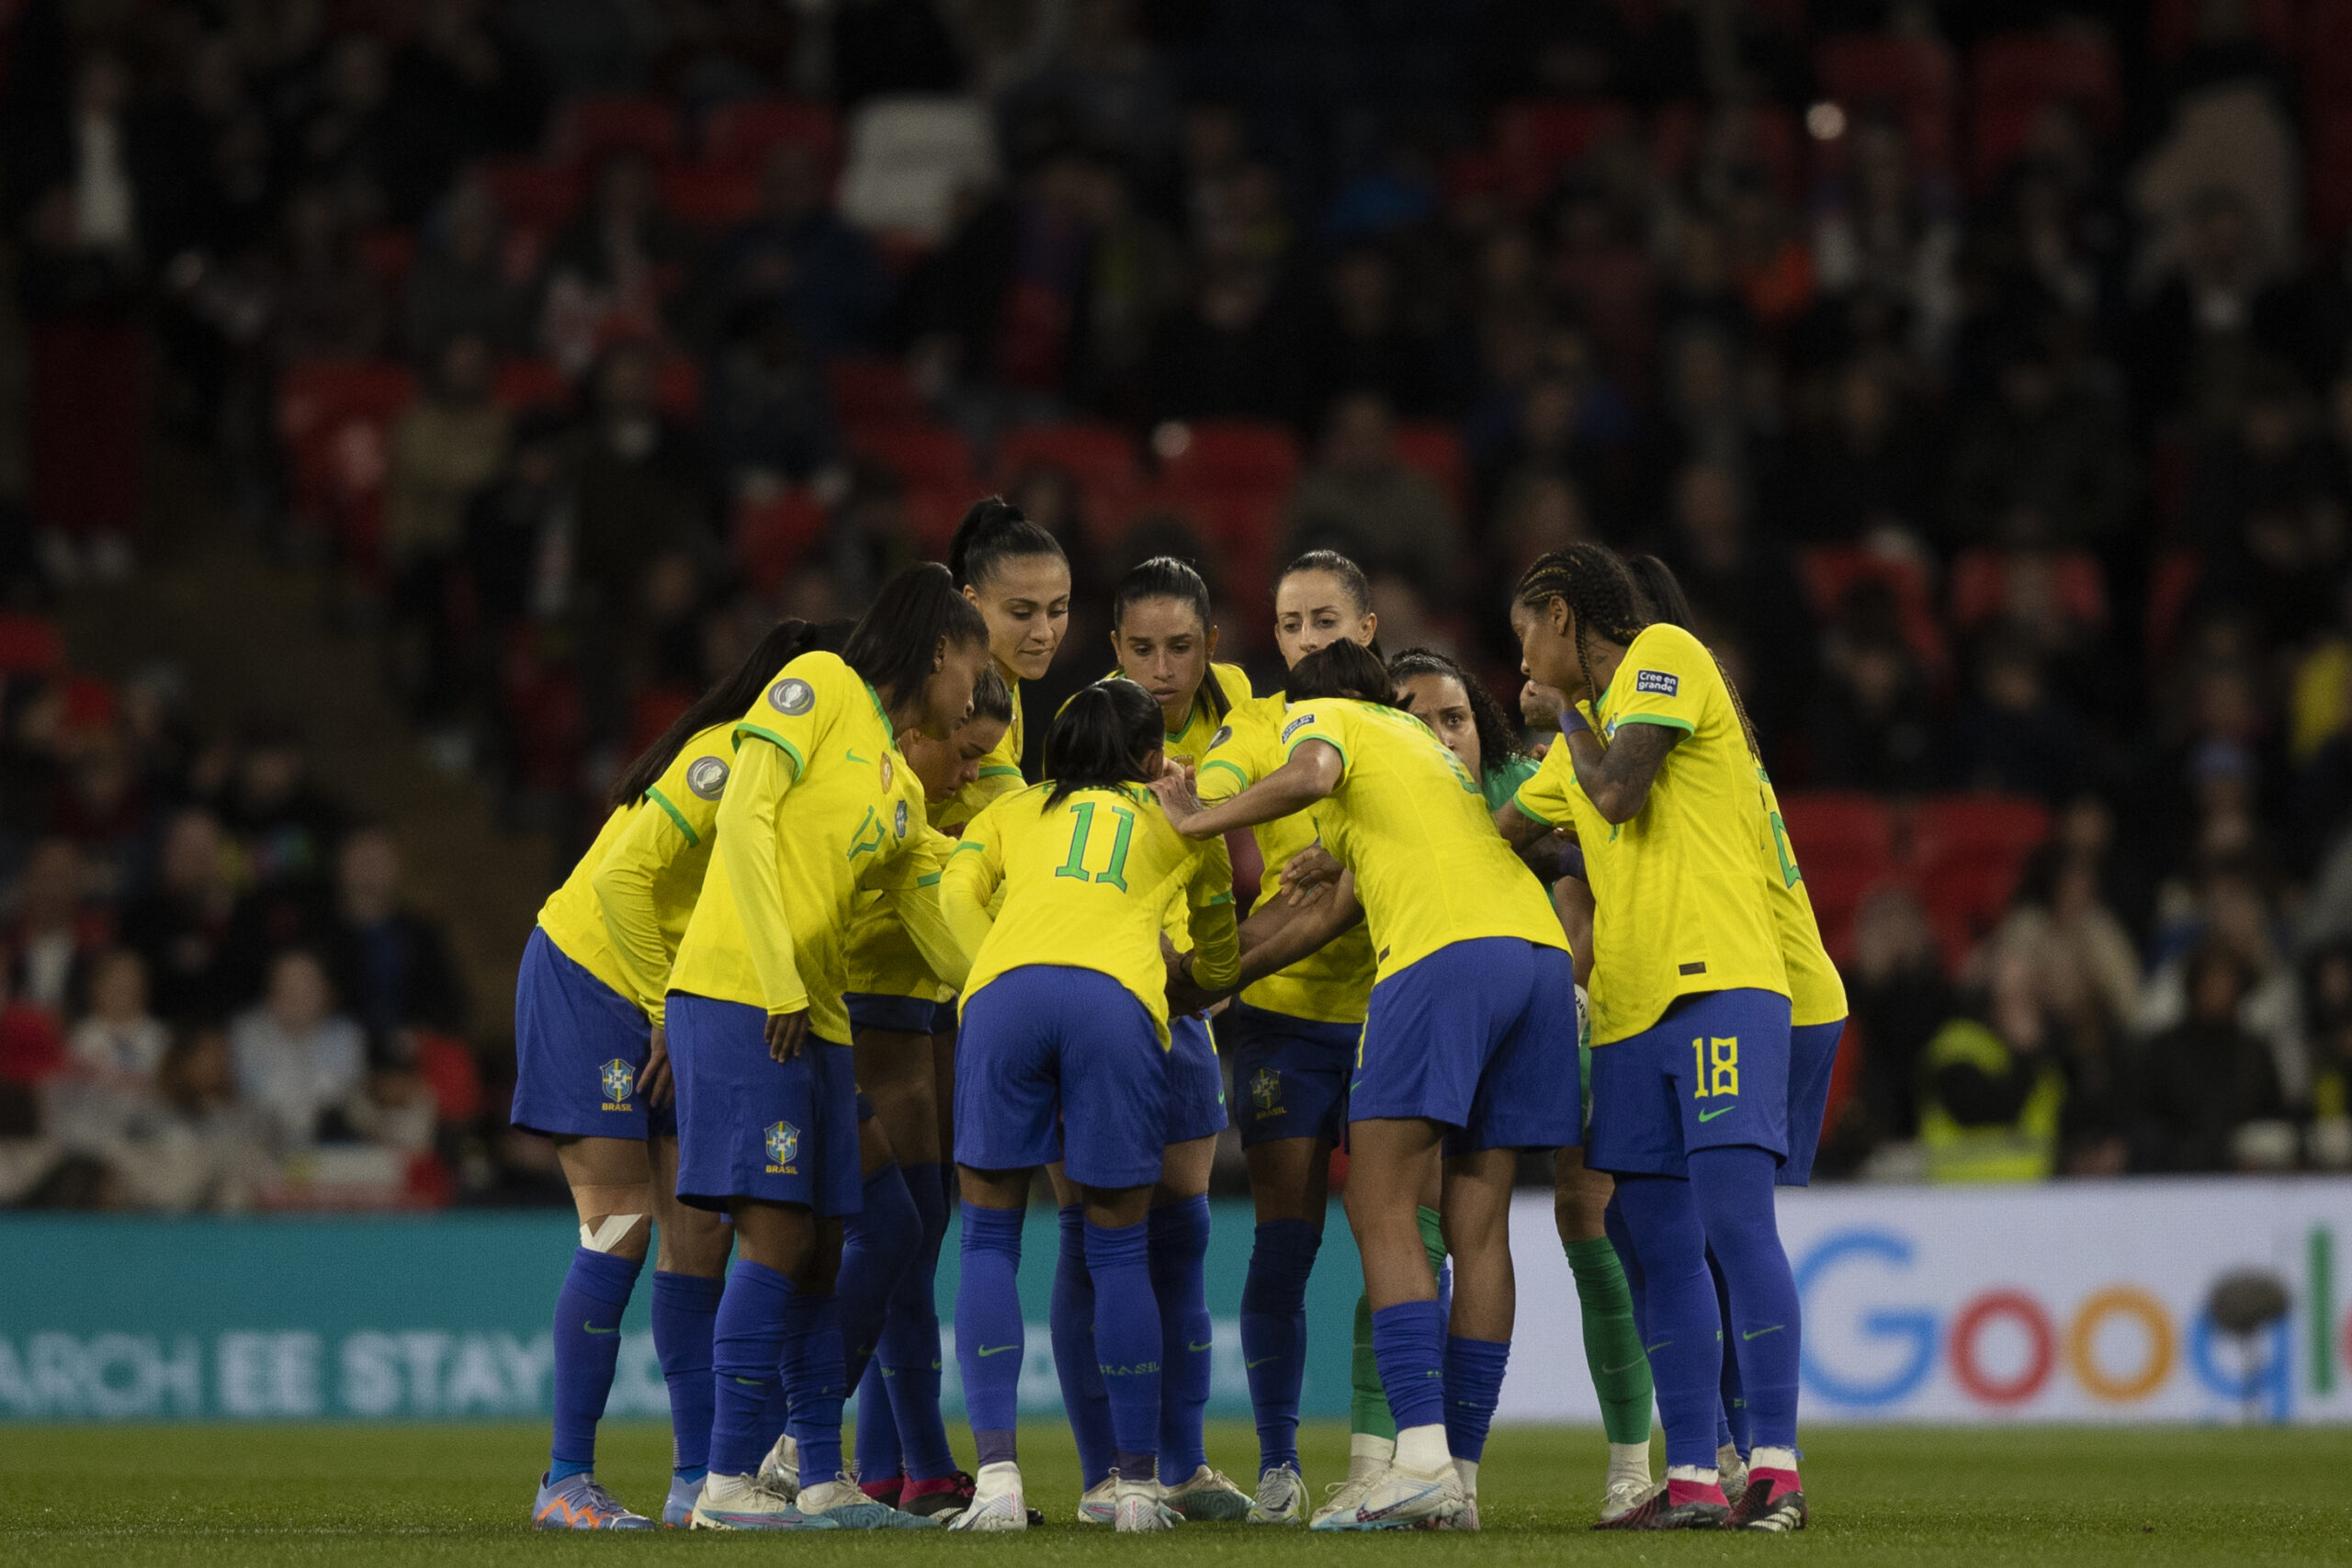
(1333, 984)
(1084, 883)
(1817, 992)
(621, 911)
(1001, 769)
(882, 958)
(1411, 823)
(821, 804)
(1679, 904)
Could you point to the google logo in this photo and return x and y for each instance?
(2121, 1344)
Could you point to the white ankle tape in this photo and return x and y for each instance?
(608, 1234)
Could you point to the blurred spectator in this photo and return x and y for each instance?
(53, 932)
(2216, 310)
(392, 966)
(1362, 343)
(1872, 724)
(1224, 354)
(1745, 584)
(796, 251)
(2268, 504)
(283, 824)
(188, 1144)
(891, 46)
(1884, 228)
(1896, 988)
(461, 86)
(325, 304)
(764, 412)
(460, 284)
(180, 928)
(2044, 464)
(1101, 85)
(1992, 1087)
(296, 1057)
(641, 481)
(2210, 1097)
(2327, 1008)
(1869, 470)
(2012, 734)
(521, 535)
(609, 272)
(1358, 498)
(2232, 914)
(118, 1041)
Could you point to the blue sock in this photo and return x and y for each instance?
(684, 1306)
(812, 1364)
(587, 1347)
(1731, 1422)
(775, 1412)
(909, 1349)
(878, 1244)
(1128, 1335)
(878, 1458)
(1474, 1383)
(1732, 1189)
(988, 1332)
(1180, 1251)
(1613, 1221)
(1681, 1325)
(746, 1340)
(1078, 1370)
(1408, 1340)
(1273, 1333)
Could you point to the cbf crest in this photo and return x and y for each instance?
(1266, 1091)
(783, 1143)
(618, 1077)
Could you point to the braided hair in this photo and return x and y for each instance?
(1669, 603)
(1593, 581)
(1498, 742)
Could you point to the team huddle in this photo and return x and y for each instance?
(834, 966)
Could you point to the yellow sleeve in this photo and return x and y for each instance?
(1234, 763)
(623, 881)
(1666, 677)
(1329, 722)
(1216, 943)
(1544, 796)
(747, 830)
(799, 705)
(969, 884)
(916, 898)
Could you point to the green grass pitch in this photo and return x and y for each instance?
(456, 1495)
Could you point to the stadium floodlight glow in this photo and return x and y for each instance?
(1826, 122)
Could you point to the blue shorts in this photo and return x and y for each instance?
(1289, 1075)
(1654, 1098)
(901, 1015)
(1813, 1061)
(1049, 1050)
(1480, 1036)
(943, 1018)
(579, 1045)
(1195, 1082)
(752, 1127)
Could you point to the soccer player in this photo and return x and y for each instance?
(896, 1012)
(1657, 774)
(821, 802)
(1065, 1037)
(592, 1072)
(1015, 573)
(1469, 1046)
(1166, 643)
(1292, 1035)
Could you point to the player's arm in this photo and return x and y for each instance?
(1617, 777)
(1313, 772)
(916, 899)
(1518, 830)
(623, 882)
(1572, 900)
(968, 883)
(1282, 934)
(747, 830)
(1215, 960)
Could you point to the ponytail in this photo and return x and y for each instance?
(1165, 577)
(1101, 738)
(894, 643)
(786, 641)
(991, 698)
(991, 533)
(1343, 669)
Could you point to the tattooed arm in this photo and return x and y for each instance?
(1617, 777)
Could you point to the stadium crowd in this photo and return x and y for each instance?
(1980, 368)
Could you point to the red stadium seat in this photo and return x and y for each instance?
(2035, 67)
(771, 537)
(1436, 450)
(677, 388)
(740, 134)
(1983, 579)
(1100, 456)
(1228, 455)
(337, 418)
(872, 389)
(932, 511)
(532, 194)
(1764, 135)
(1843, 845)
(926, 457)
(1967, 853)
(1911, 78)
(1829, 571)
(653, 710)
(523, 383)
(1538, 139)
(712, 197)
(588, 129)
(2171, 580)
(30, 645)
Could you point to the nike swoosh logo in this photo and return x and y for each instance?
(592, 1329)
(1355, 1086)
(855, 757)
(1626, 1368)
(1196, 1349)
(1253, 1366)
(996, 1350)
(1711, 1115)
(752, 1382)
(1761, 1332)
(1654, 1349)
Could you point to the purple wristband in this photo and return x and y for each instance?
(1572, 720)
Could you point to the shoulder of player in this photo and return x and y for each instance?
(698, 773)
(1234, 682)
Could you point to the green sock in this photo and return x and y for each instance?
(1612, 1340)
(1368, 1406)
(1432, 1237)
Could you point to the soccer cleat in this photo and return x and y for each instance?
(1398, 1498)
(1281, 1497)
(1661, 1512)
(1136, 1509)
(1207, 1495)
(1342, 1498)
(679, 1506)
(947, 1494)
(1467, 1519)
(887, 1492)
(1768, 1507)
(841, 1504)
(743, 1503)
(996, 1502)
(1624, 1495)
(1098, 1504)
(780, 1472)
(577, 1503)
(1731, 1471)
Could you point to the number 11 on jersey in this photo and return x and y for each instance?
(1116, 873)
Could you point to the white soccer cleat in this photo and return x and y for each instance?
(997, 1504)
(1281, 1497)
(741, 1503)
(1731, 1473)
(1342, 1498)
(1207, 1495)
(1467, 1519)
(780, 1472)
(1625, 1495)
(1398, 1498)
(1136, 1509)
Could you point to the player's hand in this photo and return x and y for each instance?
(653, 1079)
(1177, 799)
(786, 1033)
(1308, 874)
